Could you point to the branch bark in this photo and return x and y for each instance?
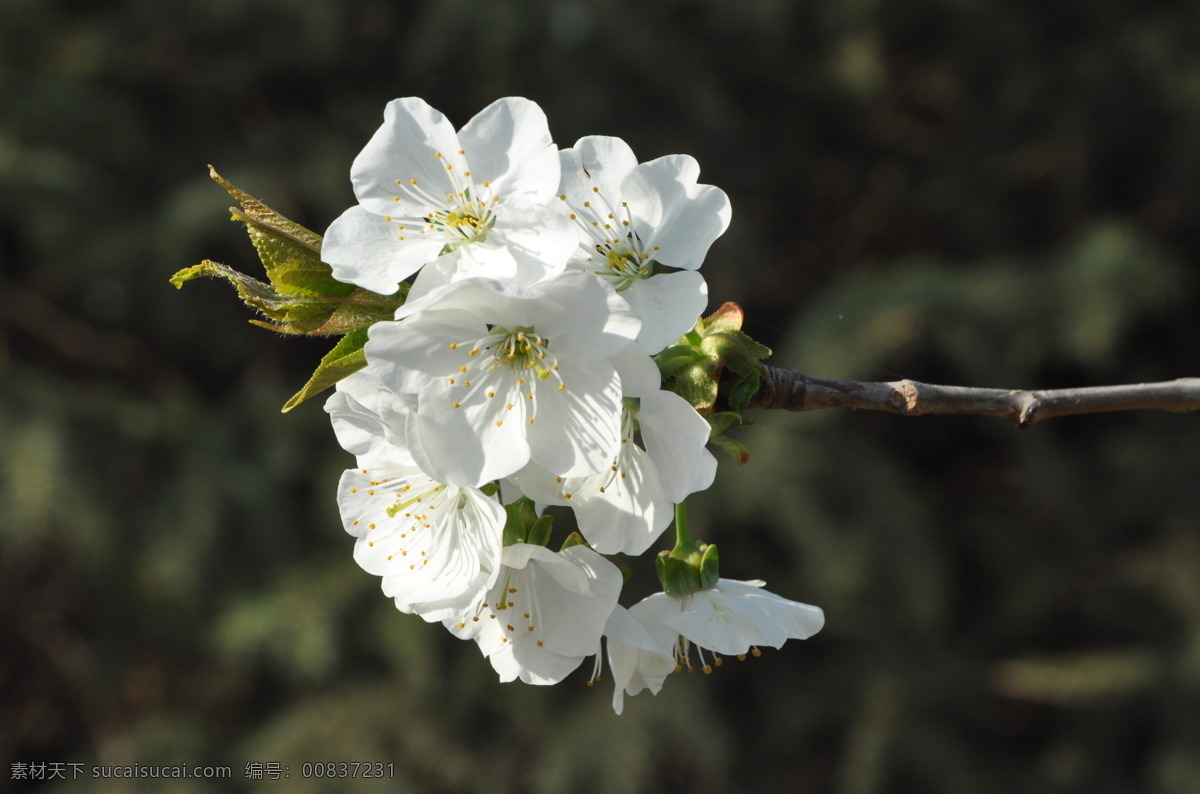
(790, 390)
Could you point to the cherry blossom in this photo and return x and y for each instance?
(504, 375)
(731, 618)
(457, 204)
(545, 614)
(636, 220)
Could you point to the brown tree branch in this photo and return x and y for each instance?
(795, 391)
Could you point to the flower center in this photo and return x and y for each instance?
(466, 223)
(508, 363)
(622, 257)
(521, 349)
(512, 605)
(463, 214)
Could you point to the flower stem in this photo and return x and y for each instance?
(683, 539)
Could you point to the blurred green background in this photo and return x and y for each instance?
(982, 192)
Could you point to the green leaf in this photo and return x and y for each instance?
(734, 449)
(254, 293)
(676, 357)
(290, 253)
(745, 389)
(698, 386)
(346, 358)
(727, 318)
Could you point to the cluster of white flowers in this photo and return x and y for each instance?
(542, 282)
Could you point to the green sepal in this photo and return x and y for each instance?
(528, 511)
(735, 350)
(514, 524)
(489, 489)
(346, 358)
(721, 421)
(743, 391)
(709, 564)
(729, 317)
(574, 539)
(677, 576)
(539, 532)
(697, 384)
(673, 359)
(697, 360)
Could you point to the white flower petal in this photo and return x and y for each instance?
(623, 511)
(637, 660)
(685, 218)
(354, 411)
(508, 144)
(669, 305)
(405, 148)
(599, 161)
(406, 355)
(486, 259)
(369, 251)
(593, 321)
(429, 542)
(733, 616)
(539, 239)
(637, 665)
(470, 438)
(675, 437)
(639, 374)
(577, 428)
(546, 613)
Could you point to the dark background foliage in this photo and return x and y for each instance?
(989, 193)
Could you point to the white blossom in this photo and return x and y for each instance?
(731, 618)
(661, 459)
(461, 204)
(504, 375)
(437, 547)
(635, 219)
(545, 614)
